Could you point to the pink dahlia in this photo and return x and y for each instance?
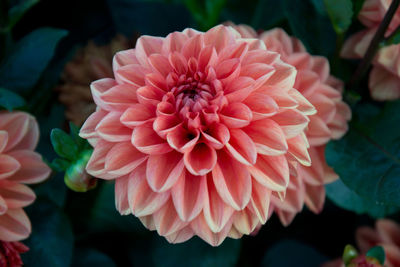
(198, 129)
(384, 79)
(10, 253)
(323, 91)
(19, 165)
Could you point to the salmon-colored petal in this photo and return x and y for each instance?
(383, 84)
(271, 171)
(292, 122)
(315, 197)
(181, 139)
(167, 220)
(245, 221)
(389, 231)
(121, 195)
(146, 140)
(132, 75)
(189, 194)
(262, 105)
(298, 149)
(96, 163)
(199, 226)
(88, 129)
(242, 147)
(163, 171)
(146, 46)
(143, 201)
(16, 195)
(120, 97)
(216, 212)
(201, 159)
(236, 115)
(181, 235)
(3, 140)
(111, 129)
(268, 137)
(14, 225)
(260, 201)
(125, 57)
(137, 114)
(232, 181)
(17, 125)
(160, 63)
(8, 166)
(123, 158)
(33, 169)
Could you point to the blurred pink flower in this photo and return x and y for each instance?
(322, 90)
(10, 253)
(19, 165)
(198, 129)
(386, 234)
(384, 79)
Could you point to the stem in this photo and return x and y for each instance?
(374, 45)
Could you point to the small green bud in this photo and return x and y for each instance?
(76, 177)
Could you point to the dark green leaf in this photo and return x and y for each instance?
(349, 254)
(314, 29)
(10, 100)
(197, 253)
(393, 40)
(64, 145)
(347, 199)
(291, 253)
(367, 159)
(51, 242)
(16, 12)
(22, 68)
(377, 253)
(86, 257)
(60, 165)
(340, 12)
(74, 132)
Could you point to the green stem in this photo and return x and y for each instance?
(373, 46)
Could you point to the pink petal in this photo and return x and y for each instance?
(8, 166)
(283, 77)
(121, 195)
(245, 221)
(137, 114)
(173, 42)
(388, 231)
(96, 163)
(181, 235)
(167, 220)
(143, 201)
(232, 181)
(286, 217)
(228, 70)
(98, 88)
(149, 95)
(181, 139)
(160, 63)
(31, 138)
(163, 171)
(193, 46)
(147, 45)
(207, 57)
(216, 212)
(217, 135)
(236, 115)
(201, 229)
(383, 84)
(315, 197)
(148, 222)
(111, 129)
(165, 124)
(14, 225)
(132, 75)
(17, 126)
(242, 147)
(219, 37)
(3, 206)
(271, 171)
(261, 105)
(88, 128)
(188, 195)
(305, 106)
(268, 137)
(123, 158)
(120, 97)
(237, 90)
(146, 140)
(201, 159)
(292, 122)
(33, 169)
(3, 140)
(16, 195)
(298, 149)
(260, 201)
(125, 57)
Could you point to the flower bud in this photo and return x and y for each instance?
(76, 177)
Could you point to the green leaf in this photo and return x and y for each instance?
(16, 12)
(367, 159)
(60, 165)
(394, 39)
(10, 100)
(340, 12)
(377, 253)
(23, 67)
(195, 252)
(347, 199)
(64, 145)
(74, 132)
(51, 242)
(311, 27)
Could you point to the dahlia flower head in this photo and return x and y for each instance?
(198, 130)
(384, 79)
(324, 92)
(19, 165)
